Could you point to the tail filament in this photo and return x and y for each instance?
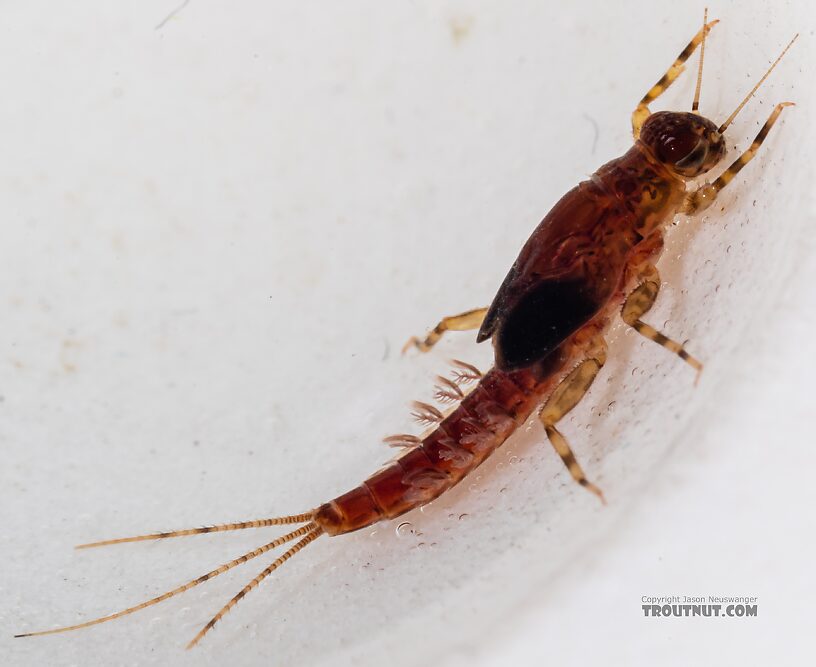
(311, 536)
(308, 533)
(260, 523)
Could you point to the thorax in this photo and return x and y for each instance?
(648, 192)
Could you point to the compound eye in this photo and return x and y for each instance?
(695, 159)
(676, 147)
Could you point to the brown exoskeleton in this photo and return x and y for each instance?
(591, 258)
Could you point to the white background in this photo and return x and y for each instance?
(218, 231)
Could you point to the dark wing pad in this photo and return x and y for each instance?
(541, 320)
(500, 303)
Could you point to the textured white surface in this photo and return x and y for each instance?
(218, 233)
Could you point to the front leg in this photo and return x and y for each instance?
(703, 197)
(639, 302)
(641, 112)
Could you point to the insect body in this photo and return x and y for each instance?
(591, 258)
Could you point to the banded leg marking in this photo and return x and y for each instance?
(565, 397)
(704, 196)
(641, 112)
(638, 303)
(471, 319)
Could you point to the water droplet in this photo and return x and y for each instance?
(611, 407)
(503, 489)
(405, 528)
(499, 465)
(462, 517)
(513, 460)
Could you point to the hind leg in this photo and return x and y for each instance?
(471, 319)
(565, 397)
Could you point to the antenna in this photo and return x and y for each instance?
(754, 89)
(696, 103)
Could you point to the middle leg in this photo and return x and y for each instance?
(639, 302)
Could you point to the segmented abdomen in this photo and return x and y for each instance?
(485, 418)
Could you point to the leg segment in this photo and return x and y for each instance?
(703, 197)
(642, 112)
(638, 304)
(565, 397)
(472, 319)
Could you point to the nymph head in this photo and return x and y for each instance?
(688, 144)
